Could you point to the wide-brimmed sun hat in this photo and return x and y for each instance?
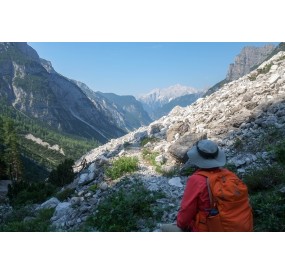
(206, 154)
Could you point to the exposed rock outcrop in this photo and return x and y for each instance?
(248, 58)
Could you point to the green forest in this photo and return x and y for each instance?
(36, 172)
(14, 128)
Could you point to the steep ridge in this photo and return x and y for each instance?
(249, 59)
(31, 85)
(124, 111)
(239, 113)
(131, 109)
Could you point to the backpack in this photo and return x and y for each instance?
(230, 208)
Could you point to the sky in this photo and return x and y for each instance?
(134, 68)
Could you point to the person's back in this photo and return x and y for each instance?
(230, 210)
(212, 191)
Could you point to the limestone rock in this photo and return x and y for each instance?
(51, 203)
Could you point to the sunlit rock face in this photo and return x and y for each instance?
(248, 58)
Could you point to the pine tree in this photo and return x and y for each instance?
(2, 162)
(12, 156)
(63, 174)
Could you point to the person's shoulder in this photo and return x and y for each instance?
(196, 177)
(202, 174)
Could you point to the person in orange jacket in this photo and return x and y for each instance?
(205, 155)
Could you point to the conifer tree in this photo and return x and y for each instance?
(12, 156)
(2, 162)
(63, 174)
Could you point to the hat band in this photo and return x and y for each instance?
(206, 155)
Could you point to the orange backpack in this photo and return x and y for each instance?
(229, 199)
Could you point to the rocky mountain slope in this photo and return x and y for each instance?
(126, 110)
(244, 62)
(248, 58)
(31, 85)
(159, 102)
(236, 117)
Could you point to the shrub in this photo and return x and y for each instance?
(264, 178)
(265, 69)
(124, 210)
(150, 156)
(39, 223)
(281, 58)
(238, 144)
(93, 187)
(252, 78)
(21, 193)
(146, 140)
(280, 152)
(122, 166)
(268, 211)
(169, 172)
(127, 144)
(65, 194)
(63, 174)
(268, 139)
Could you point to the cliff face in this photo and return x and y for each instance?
(31, 85)
(246, 61)
(125, 111)
(248, 58)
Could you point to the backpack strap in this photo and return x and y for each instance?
(207, 174)
(210, 193)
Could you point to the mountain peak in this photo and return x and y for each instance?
(155, 100)
(163, 95)
(23, 47)
(249, 56)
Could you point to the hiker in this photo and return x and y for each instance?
(214, 198)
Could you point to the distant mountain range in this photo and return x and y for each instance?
(160, 102)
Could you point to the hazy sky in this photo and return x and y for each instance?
(132, 68)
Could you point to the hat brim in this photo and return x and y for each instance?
(196, 159)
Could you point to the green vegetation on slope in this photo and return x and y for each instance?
(122, 166)
(123, 210)
(73, 146)
(37, 222)
(265, 183)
